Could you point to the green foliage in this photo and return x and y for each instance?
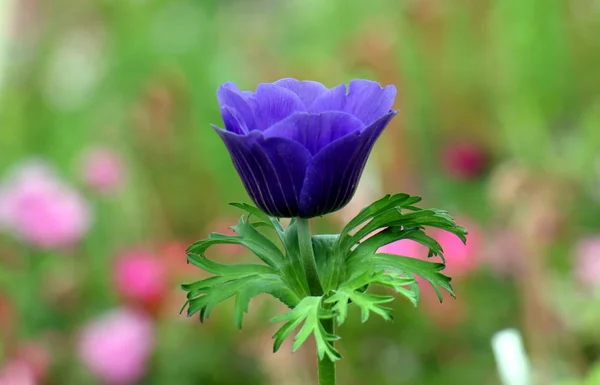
(348, 264)
(309, 312)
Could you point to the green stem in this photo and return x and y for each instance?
(326, 366)
(307, 254)
(308, 257)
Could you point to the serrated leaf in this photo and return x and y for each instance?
(206, 294)
(308, 313)
(430, 271)
(267, 284)
(415, 219)
(249, 237)
(213, 267)
(262, 217)
(368, 303)
(394, 234)
(351, 292)
(377, 208)
(405, 285)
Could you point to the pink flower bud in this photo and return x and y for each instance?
(464, 160)
(116, 346)
(40, 209)
(103, 170)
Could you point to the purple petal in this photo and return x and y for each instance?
(366, 100)
(233, 121)
(307, 90)
(229, 95)
(314, 131)
(272, 104)
(334, 173)
(289, 161)
(369, 137)
(272, 170)
(332, 100)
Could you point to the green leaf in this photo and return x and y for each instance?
(366, 302)
(394, 218)
(377, 208)
(204, 295)
(409, 267)
(263, 219)
(261, 216)
(399, 284)
(249, 237)
(418, 219)
(330, 262)
(308, 313)
(392, 234)
(351, 292)
(213, 267)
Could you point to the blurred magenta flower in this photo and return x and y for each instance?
(116, 346)
(103, 169)
(299, 147)
(140, 276)
(461, 259)
(17, 372)
(405, 247)
(40, 209)
(587, 262)
(464, 160)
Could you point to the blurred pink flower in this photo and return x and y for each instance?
(17, 372)
(116, 346)
(140, 276)
(587, 262)
(461, 259)
(103, 169)
(464, 160)
(40, 209)
(405, 247)
(35, 355)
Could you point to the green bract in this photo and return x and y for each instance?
(348, 264)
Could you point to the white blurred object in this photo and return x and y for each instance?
(6, 10)
(75, 69)
(511, 359)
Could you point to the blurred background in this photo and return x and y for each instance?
(109, 170)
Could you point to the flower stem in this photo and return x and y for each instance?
(326, 366)
(308, 257)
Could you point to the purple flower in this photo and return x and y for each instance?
(299, 147)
